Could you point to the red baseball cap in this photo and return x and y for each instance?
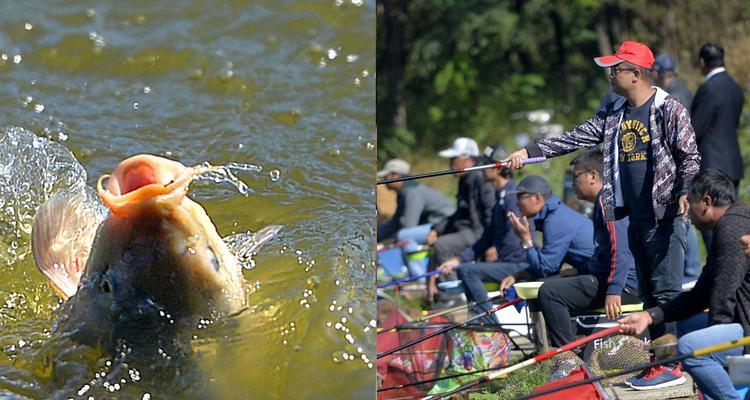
(635, 53)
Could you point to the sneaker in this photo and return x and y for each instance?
(658, 377)
(629, 381)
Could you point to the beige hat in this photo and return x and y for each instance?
(395, 166)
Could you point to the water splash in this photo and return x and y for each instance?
(31, 170)
(225, 174)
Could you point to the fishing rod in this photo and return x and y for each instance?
(534, 160)
(531, 361)
(452, 326)
(411, 278)
(437, 314)
(745, 341)
(442, 378)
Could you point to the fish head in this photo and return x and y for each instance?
(156, 257)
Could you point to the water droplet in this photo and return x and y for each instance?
(274, 174)
(365, 73)
(17, 59)
(135, 105)
(358, 3)
(38, 108)
(90, 12)
(351, 58)
(147, 89)
(332, 54)
(28, 26)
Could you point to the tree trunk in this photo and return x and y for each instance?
(394, 12)
(602, 35)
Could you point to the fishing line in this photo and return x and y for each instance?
(453, 326)
(534, 160)
(407, 325)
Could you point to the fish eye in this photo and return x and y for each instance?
(105, 285)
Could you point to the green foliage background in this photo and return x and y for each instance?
(469, 67)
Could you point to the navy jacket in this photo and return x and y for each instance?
(474, 202)
(715, 114)
(500, 232)
(568, 237)
(612, 259)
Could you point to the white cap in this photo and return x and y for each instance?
(395, 166)
(461, 147)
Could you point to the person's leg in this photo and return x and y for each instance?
(708, 371)
(558, 297)
(635, 236)
(417, 233)
(692, 258)
(473, 275)
(414, 236)
(448, 246)
(664, 245)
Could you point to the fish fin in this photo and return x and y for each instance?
(61, 236)
(246, 244)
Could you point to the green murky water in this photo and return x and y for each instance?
(285, 85)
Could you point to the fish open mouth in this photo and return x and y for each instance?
(140, 179)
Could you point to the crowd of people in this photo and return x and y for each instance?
(659, 159)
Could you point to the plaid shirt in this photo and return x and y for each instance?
(674, 149)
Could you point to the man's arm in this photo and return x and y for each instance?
(484, 242)
(729, 265)
(683, 147)
(545, 261)
(487, 199)
(622, 259)
(702, 112)
(588, 134)
(413, 207)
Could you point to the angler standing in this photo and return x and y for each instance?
(650, 155)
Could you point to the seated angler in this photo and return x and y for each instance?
(474, 202)
(418, 206)
(567, 235)
(500, 246)
(723, 287)
(608, 279)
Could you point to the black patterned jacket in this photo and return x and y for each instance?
(676, 157)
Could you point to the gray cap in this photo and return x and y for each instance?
(532, 184)
(665, 62)
(497, 152)
(395, 166)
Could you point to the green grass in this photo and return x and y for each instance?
(516, 384)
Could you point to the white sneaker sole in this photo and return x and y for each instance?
(676, 382)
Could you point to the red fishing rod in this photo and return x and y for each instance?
(531, 361)
(534, 160)
(453, 326)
